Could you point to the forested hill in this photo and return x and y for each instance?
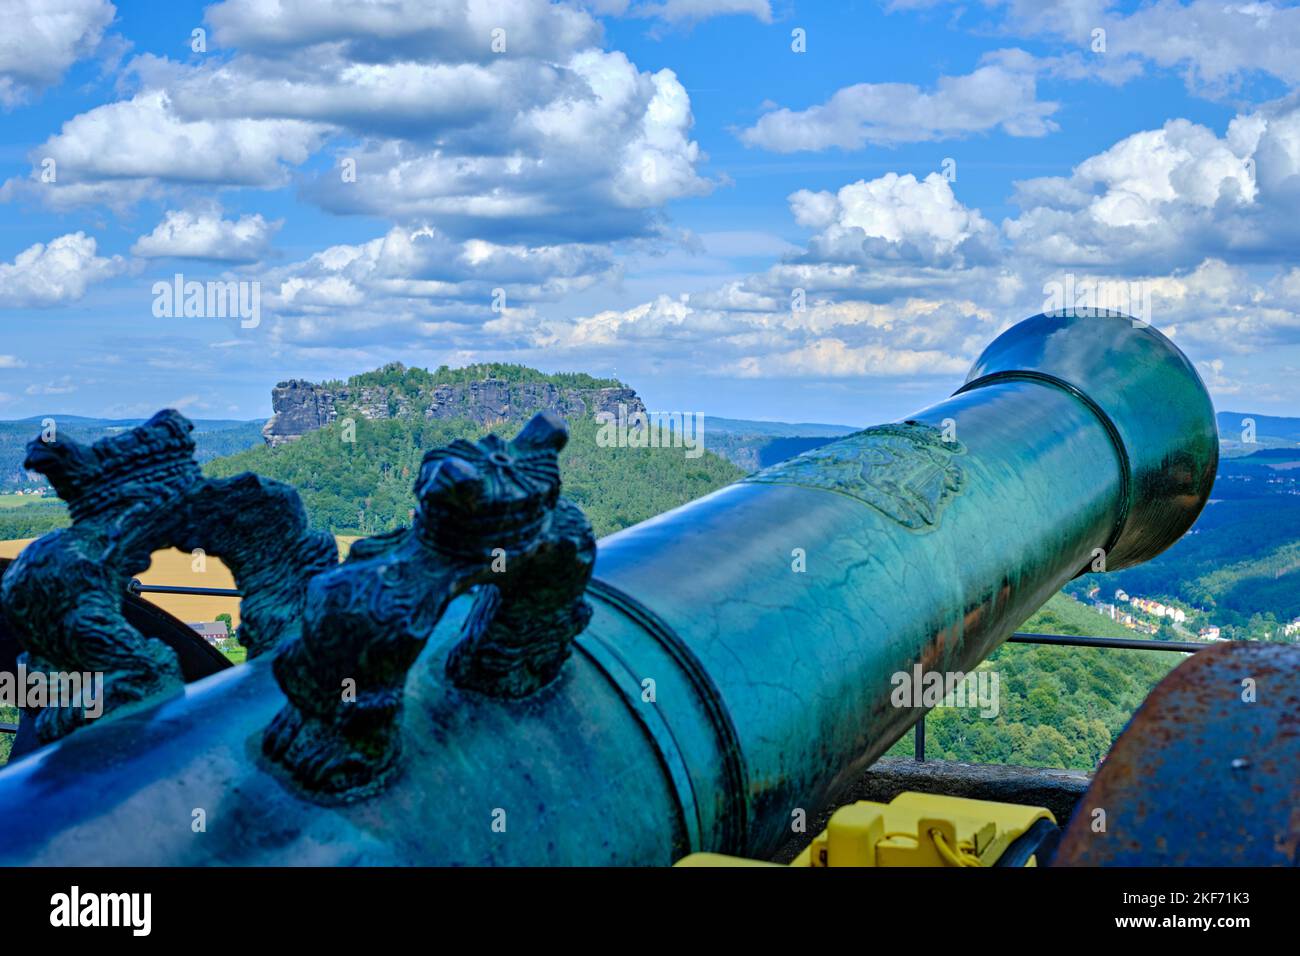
(364, 487)
(1059, 706)
(1240, 563)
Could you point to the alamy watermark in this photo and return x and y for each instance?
(1073, 296)
(133, 911)
(63, 689)
(209, 300)
(657, 430)
(940, 689)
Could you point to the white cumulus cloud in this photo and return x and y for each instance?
(204, 234)
(413, 283)
(999, 94)
(693, 11)
(494, 119)
(55, 272)
(892, 216)
(586, 162)
(40, 39)
(397, 30)
(1170, 197)
(832, 358)
(144, 141)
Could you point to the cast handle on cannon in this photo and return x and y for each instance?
(131, 494)
(489, 516)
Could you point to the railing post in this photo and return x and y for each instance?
(919, 747)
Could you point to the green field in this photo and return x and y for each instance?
(26, 516)
(10, 499)
(235, 653)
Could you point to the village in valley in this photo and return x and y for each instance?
(1165, 620)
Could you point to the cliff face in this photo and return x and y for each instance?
(300, 406)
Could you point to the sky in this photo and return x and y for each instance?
(768, 209)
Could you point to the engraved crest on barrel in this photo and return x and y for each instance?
(907, 471)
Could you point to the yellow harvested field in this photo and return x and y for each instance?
(178, 569)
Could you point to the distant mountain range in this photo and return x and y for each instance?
(1271, 431)
(117, 424)
(213, 438)
(739, 426)
(490, 395)
(751, 445)
(1275, 426)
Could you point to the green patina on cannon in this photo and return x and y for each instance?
(473, 690)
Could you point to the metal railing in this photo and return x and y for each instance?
(1066, 640)
(1122, 643)
(136, 586)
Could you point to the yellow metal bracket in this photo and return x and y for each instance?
(913, 829)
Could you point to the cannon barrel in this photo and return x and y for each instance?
(738, 662)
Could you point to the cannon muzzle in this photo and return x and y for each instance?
(719, 669)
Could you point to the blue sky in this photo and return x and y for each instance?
(652, 185)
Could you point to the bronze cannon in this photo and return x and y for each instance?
(491, 686)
